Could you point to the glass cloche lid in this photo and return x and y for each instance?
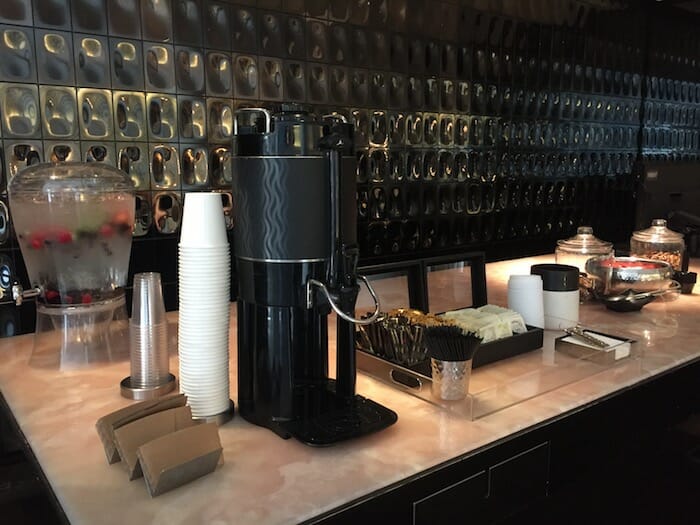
(658, 233)
(584, 242)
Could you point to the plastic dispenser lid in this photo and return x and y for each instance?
(584, 242)
(69, 180)
(658, 233)
(557, 277)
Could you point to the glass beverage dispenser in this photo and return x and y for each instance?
(74, 225)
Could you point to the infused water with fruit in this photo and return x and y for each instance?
(74, 223)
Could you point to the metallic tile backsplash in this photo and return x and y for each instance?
(472, 129)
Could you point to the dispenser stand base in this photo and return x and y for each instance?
(143, 393)
(221, 418)
(325, 418)
(69, 337)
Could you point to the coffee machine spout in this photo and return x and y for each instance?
(343, 304)
(337, 309)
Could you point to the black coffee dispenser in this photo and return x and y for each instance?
(296, 252)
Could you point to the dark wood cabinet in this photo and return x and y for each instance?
(488, 484)
(577, 453)
(440, 507)
(519, 480)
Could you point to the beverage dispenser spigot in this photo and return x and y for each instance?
(295, 244)
(19, 294)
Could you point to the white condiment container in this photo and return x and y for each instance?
(560, 294)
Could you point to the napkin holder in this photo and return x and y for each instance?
(619, 347)
(106, 425)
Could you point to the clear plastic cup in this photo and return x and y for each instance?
(148, 332)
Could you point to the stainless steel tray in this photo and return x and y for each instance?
(502, 384)
(417, 380)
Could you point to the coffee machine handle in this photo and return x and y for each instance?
(309, 301)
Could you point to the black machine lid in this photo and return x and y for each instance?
(289, 131)
(557, 277)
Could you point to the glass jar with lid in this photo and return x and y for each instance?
(576, 250)
(660, 243)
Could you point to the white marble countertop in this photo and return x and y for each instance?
(269, 480)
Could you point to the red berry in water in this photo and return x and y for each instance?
(51, 296)
(64, 237)
(121, 217)
(68, 299)
(36, 241)
(86, 298)
(106, 230)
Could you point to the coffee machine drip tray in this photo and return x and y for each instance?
(325, 418)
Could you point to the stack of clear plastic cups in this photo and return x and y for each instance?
(204, 281)
(148, 333)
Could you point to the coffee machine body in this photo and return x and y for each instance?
(296, 257)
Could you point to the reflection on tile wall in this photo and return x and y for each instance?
(473, 130)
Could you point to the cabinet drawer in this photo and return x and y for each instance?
(522, 478)
(455, 502)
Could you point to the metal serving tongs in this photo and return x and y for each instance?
(578, 332)
(632, 296)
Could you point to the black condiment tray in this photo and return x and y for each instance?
(493, 351)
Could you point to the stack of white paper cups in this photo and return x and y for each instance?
(525, 296)
(204, 293)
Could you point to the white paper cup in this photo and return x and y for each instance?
(196, 299)
(214, 259)
(202, 337)
(210, 259)
(206, 387)
(195, 365)
(205, 329)
(210, 409)
(205, 305)
(203, 343)
(203, 222)
(192, 303)
(223, 286)
(525, 296)
(212, 376)
(194, 355)
(221, 249)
